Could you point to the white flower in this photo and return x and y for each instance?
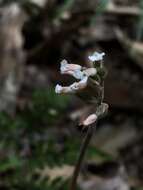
(71, 69)
(96, 56)
(77, 72)
(76, 86)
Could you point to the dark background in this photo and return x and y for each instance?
(39, 133)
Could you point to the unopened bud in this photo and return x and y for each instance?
(90, 120)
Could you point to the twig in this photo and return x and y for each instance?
(81, 157)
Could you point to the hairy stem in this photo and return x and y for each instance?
(81, 157)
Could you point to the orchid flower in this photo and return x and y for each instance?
(77, 72)
(82, 74)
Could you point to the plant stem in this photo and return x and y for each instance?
(81, 157)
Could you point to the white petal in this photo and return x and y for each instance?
(64, 63)
(96, 56)
(71, 69)
(66, 67)
(58, 89)
(63, 89)
(84, 80)
(78, 74)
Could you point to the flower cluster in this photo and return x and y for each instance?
(77, 72)
(82, 74)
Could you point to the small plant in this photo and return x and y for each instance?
(90, 88)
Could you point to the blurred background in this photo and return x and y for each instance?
(39, 133)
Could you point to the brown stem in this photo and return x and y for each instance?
(81, 157)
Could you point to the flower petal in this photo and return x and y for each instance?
(96, 56)
(71, 69)
(65, 66)
(58, 89)
(63, 89)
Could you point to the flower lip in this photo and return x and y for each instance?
(96, 56)
(65, 66)
(63, 89)
(58, 89)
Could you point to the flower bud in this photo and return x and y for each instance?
(90, 120)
